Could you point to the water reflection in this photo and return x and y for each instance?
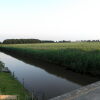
(43, 78)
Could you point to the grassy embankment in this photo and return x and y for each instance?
(10, 86)
(79, 57)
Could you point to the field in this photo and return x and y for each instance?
(10, 86)
(83, 57)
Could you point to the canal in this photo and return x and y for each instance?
(42, 79)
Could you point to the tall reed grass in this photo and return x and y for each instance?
(79, 57)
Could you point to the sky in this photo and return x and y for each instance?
(50, 19)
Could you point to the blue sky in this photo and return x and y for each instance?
(50, 19)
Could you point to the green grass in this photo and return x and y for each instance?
(75, 45)
(10, 86)
(78, 56)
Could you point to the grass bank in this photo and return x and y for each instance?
(10, 86)
(79, 57)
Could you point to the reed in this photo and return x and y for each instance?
(79, 57)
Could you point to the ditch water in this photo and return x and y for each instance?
(45, 80)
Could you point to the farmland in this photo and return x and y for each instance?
(83, 57)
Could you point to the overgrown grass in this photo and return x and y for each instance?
(10, 86)
(80, 57)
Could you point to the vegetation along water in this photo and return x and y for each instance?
(10, 86)
(83, 57)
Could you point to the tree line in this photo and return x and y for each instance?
(26, 41)
(20, 41)
(90, 40)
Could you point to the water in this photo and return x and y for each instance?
(45, 80)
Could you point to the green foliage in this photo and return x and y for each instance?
(20, 41)
(80, 57)
(47, 41)
(10, 86)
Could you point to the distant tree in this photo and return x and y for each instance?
(90, 40)
(64, 41)
(47, 41)
(20, 41)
